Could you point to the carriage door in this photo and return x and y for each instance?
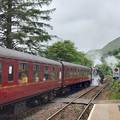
(1, 73)
(10, 72)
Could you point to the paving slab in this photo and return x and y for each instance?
(105, 112)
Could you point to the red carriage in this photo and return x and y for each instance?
(29, 77)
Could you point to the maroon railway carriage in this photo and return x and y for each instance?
(23, 75)
(75, 74)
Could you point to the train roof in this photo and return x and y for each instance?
(74, 65)
(8, 53)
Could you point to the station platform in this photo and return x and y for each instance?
(105, 112)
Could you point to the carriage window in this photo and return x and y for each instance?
(54, 74)
(36, 72)
(74, 72)
(66, 72)
(0, 72)
(71, 73)
(23, 72)
(46, 74)
(10, 72)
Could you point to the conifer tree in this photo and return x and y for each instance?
(24, 23)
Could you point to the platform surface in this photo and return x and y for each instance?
(105, 112)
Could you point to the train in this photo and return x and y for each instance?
(29, 78)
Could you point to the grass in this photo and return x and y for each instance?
(115, 90)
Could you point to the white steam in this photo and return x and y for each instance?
(97, 59)
(111, 61)
(95, 77)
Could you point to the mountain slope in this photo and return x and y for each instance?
(99, 54)
(111, 46)
(115, 44)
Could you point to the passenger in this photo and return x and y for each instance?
(24, 78)
(36, 77)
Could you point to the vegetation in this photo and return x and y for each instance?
(111, 46)
(23, 23)
(115, 89)
(110, 49)
(66, 51)
(114, 52)
(105, 69)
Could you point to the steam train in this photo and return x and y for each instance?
(25, 77)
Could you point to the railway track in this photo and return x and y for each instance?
(58, 108)
(90, 102)
(81, 114)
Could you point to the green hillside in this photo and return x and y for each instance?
(111, 46)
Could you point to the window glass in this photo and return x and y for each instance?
(36, 72)
(10, 72)
(0, 72)
(46, 74)
(74, 72)
(81, 73)
(66, 73)
(0, 67)
(54, 73)
(71, 73)
(23, 72)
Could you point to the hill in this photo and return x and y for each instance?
(111, 46)
(97, 55)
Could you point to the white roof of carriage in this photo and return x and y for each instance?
(74, 65)
(13, 54)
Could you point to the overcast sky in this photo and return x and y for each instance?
(91, 24)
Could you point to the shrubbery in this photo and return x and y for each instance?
(115, 89)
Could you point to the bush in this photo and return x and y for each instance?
(115, 89)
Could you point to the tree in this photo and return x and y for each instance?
(66, 51)
(82, 59)
(23, 23)
(105, 69)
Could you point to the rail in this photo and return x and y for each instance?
(90, 102)
(60, 110)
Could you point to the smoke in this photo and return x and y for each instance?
(95, 77)
(111, 61)
(97, 59)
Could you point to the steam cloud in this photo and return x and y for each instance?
(97, 59)
(111, 61)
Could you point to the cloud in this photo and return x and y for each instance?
(89, 23)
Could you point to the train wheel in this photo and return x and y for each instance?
(51, 95)
(45, 98)
(9, 109)
(85, 85)
(33, 102)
